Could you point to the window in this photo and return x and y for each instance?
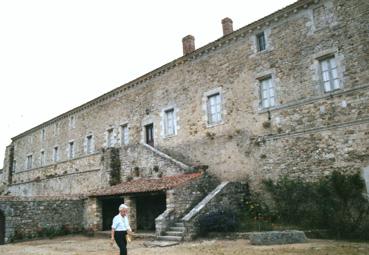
(42, 135)
(329, 76)
(260, 41)
(14, 167)
(169, 122)
(214, 108)
(42, 158)
(56, 154)
(56, 129)
(89, 148)
(29, 162)
(267, 93)
(71, 150)
(110, 138)
(124, 134)
(72, 122)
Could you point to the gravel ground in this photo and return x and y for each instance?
(80, 245)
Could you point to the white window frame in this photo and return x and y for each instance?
(329, 75)
(72, 121)
(110, 138)
(71, 149)
(42, 158)
(124, 134)
(205, 106)
(267, 94)
(214, 108)
(56, 129)
(29, 161)
(90, 144)
(43, 134)
(14, 166)
(56, 153)
(169, 124)
(257, 36)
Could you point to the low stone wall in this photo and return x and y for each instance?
(230, 196)
(33, 217)
(277, 237)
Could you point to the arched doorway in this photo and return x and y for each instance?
(2, 228)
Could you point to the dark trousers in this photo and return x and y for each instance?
(120, 239)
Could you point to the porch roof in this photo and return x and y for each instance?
(146, 185)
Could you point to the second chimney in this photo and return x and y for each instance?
(188, 44)
(227, 24)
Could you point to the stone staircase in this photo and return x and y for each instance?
(175, 233)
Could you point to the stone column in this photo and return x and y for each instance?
(93, 215)
(170, 199)
(131, 203)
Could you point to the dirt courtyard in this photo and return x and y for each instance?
(80, 245)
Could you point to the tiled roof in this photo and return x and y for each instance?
(146, 185)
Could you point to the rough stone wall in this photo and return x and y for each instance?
(76, 176)
(139, 161)
(33, 217)
(231, 197)
(184, 198)
(297, 38)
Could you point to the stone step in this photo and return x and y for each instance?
(179, 224)
(170, 238)
(177, 229)
(174, 233)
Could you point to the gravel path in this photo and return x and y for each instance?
(80, 245)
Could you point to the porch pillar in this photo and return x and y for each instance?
(93, 215)
(132, 214)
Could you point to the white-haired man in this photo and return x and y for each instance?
(120, 228)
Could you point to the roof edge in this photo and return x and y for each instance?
(178, 61)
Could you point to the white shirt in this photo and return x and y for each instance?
(120, 223)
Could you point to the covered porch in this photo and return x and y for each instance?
(146, 198)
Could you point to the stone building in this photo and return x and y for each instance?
(287, 94)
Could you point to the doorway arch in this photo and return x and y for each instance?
(2, 228)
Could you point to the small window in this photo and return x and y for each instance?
(42, 158)
(124, 134)
(29, 161)
(329, 73)
(110, 138)
(169, 122)
(42, 134)
(71, 150)
(89, 147)
(267, 92)
(214, 108)
(56, 129)
(56, 154)
(14, 167)
(260, 41)
(72, 122)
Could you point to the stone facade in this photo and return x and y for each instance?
(297, 38)
(28, 218)
(250, 105)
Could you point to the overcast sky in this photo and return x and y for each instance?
(58, 54)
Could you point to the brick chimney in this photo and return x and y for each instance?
(188, 44)
(227, 24)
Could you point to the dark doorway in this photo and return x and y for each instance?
(149, 207)
(2, 228)
(109, 210)
(149, 133)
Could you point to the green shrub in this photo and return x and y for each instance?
(335, 202)
(218, 221)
